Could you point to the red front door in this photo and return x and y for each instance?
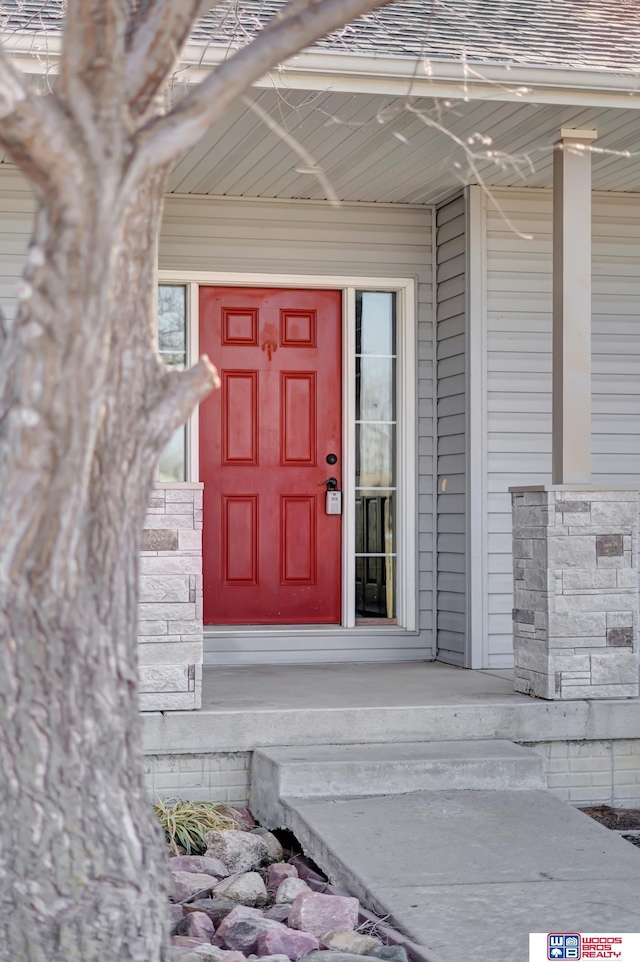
(271, 552)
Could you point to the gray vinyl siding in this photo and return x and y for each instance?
(518, 400)
(451, 431)
(291, 237)
(16, 220)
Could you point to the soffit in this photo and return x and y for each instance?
(378, 149)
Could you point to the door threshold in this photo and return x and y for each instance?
(384, 627)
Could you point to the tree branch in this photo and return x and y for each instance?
(33, 131)
(157, 36)
(94, 43)
(92, 70)
(180, 392)
(165, 138)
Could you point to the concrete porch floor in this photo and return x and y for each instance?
(247, 708)
(335, 686)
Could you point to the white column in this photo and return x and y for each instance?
(571, 447)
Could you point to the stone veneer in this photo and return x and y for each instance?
(575, 616)
(170, 614)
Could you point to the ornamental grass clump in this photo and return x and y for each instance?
(186, 823)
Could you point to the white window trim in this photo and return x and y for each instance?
(407, 513)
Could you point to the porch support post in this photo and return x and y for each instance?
(575, 547)
(571, 438)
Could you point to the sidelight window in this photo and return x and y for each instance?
(376, 474)
(172, 348)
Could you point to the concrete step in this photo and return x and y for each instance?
(348, 771)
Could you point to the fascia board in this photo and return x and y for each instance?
(399, 76)
(388, 76)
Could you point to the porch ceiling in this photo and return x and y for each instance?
(375, 149)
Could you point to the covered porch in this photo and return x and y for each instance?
(243, 207)
(591, 749)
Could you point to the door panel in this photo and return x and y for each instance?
(240, 417)
(239, 540)
(298, 414)
(271, 553)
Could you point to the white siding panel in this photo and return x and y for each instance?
(451, 431)
(220, 234)
(519, 366)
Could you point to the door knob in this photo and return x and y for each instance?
(331, 483)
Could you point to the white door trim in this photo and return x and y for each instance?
(405, 290)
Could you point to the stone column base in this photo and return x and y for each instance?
(170, 634)
(575, 615)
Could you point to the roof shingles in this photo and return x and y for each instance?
(583, 34)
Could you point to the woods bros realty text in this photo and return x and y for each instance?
(551, 946)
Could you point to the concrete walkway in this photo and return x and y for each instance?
(466, 873)
(470, 874)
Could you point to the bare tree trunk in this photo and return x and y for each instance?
(83, 875)
(86, 408)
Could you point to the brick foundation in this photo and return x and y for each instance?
(596, 772)
(214, 777)
(575, 616)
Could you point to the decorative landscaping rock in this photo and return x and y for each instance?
(198, 926)
(248, 889)
(182, 927)
(179, 850)
(328, 955)
(288, 890)
(243, 935)
(353, 942)
(278, 913)
(239, 912)
(186, 884)
(184, 942)
(316, 913)
(395, 953)
(200, 864)
(276, 851)
(216, 909)
(225, 923)
(280, 940)
(277, 873)
(210, 953)
(238, 851)
(245, 818)
(390, 953)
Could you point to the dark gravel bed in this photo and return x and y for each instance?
(617, 818)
